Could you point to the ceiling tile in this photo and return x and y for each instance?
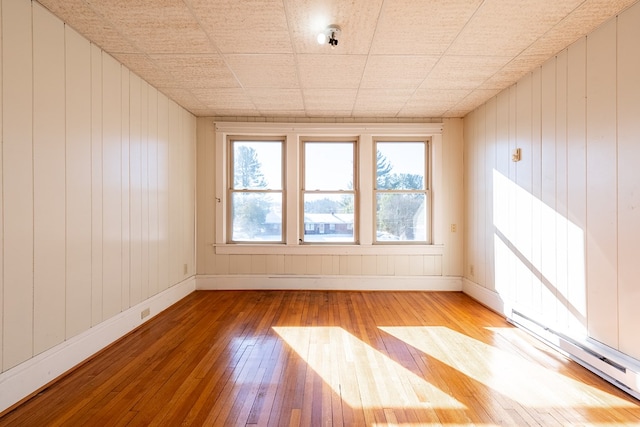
(432, 102)
(142, 65)
(197, 71)
(421, 27)
(473, 100)
(224, 98)
(512, 71)
(391, 101)
(183, 97)
(84, 19)
(286, 100)
(331, 71)
(157, 26)
(397, 71)
(329, 99)
(488, 33)
(256, 26)
(463, 72)
(277, 71)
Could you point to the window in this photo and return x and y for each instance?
(256, 194)
(401, 192)
(329, 192)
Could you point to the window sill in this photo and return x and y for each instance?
(281, 249)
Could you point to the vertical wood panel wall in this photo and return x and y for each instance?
(97, 191)
(564, 220)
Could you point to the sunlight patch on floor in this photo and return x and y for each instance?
(361, 375)
(512, 376)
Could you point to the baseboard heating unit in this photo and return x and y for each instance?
(613, 366)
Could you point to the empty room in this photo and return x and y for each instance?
(319, 212)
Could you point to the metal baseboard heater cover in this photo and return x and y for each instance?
(617, 368)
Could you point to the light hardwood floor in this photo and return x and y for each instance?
(311, 358)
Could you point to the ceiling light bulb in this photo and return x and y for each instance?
(322, 38)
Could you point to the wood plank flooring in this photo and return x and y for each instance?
(312, 358)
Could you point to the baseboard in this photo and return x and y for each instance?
(343, 283)
(22, 381)
(484, 296)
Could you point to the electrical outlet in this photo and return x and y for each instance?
(144, 313)
(454, 228)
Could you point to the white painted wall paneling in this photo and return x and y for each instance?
(48, 180)
(135, 194)
(111, 187)
(602, 247)
(17, 140)
(628, 109)
(96, 186)
(78, 182)
(125, 294)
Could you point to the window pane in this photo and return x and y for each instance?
(256, 217)
(401, 216)
(257, 165)
(328, 218)
(328, 166)
(400, 165)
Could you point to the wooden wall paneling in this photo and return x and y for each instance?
(126, 189)
(163, 192)
(628, 184)
(258, 264)
(49, 189)
(152, 161)
(490, 166)
(576, 186)
(17, 157)
(112, 186)
(561, 189)
(536, 185)
(369, 265)
(416, 265)
(275, 264)
(326, 265)
(480, 196)
(1, 209)
(222, 264)
(78, 182)
(602, 245)
(135, 195)
(190, 192)
(453, 175)
(523, 199)
(144, 189)
(512, 124)
(548, 191)
(470, 188)
(500, 231)
(96, 186)
(314, 265)
(206, 195)
(175, 267)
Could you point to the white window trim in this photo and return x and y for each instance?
(294, 132)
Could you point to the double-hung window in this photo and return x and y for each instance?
(329, 197)
(402, 202)
(255, 190)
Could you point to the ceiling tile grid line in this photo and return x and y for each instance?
(395, 59)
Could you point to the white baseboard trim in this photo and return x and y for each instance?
(484, 296)
(28, 377)
(319, 282)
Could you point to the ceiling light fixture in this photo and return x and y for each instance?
(330, 35)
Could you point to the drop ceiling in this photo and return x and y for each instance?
(395, 58)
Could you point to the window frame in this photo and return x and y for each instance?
(427, 141)
(303, 190)
(214, 151)
(231, 190)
